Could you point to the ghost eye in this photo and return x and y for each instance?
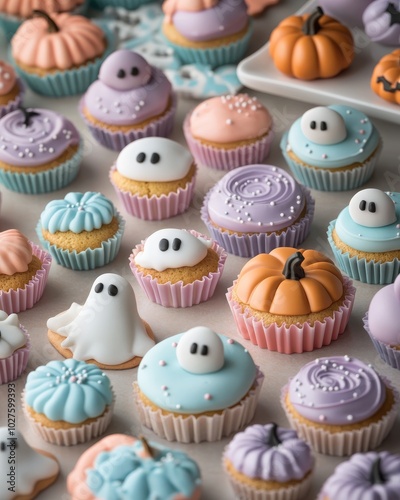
(363, 205)
(163, 245)
(112, 290)
(371, 207)
(121, 74)
(155, 158)
(204, 350)
(176, 244)
(193, 348)
(99, 288)
(140, 157)
(3, 446)
(324, 126)
(134, 71)
(313, 125)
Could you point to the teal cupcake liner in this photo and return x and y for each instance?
(366, 271)
(45, 181)
(125, 4)
(87, 259)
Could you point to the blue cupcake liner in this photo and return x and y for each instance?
(125, 4)
(366, 271)
(388, 354)
(45, 181)
(325, 180)
(87, 259)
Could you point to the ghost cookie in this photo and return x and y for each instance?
(197, 375)
(178, 268)
(106, 330)
(154, 178)
(332, 148)
(131, 99)
(365, 237)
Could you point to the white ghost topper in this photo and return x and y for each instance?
(11, 335)
(172, 248)
(372, 208)
(107, 328)
(323, 125)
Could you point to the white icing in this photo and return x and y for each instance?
(372, 208)
(11, 335)
(29, 465)
(107, 328)
(323, 125)
(154, 159)
(200, 350)
(172, 248)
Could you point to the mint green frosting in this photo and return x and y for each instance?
(69, 390)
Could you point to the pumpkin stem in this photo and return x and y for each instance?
(376, 476)
(28, 115)
(311, 25)
(52, 26)
(293, 269)
(273, 439)
(148, 450)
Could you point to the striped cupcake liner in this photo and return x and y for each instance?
(13, 366)
(387, 353)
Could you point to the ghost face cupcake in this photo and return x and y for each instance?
(365, 237)
(14, 348)
(332, 148)
(11, 89)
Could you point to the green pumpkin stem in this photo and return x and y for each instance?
(312, 26)
(273, 439)
(293, 269)
(52, 26)
(376, 475)
(148, 450)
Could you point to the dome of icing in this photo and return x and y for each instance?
(15, 252)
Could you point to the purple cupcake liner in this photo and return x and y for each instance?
(15, 103)
(19, 300)
(387, 353)
(160, 127)
(227, 159)
(156, 207)
(250, 245)
(12, 367)
(178, 294)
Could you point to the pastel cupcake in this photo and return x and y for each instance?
(332, 148)
(68, 402)
(229, 131)
(130, 100)
(257, 208)
(365, 237)
(177, 268)
(340, 405)
(291, 301)
(82, 231)
(11, 89)
(40, 151)
(59, 55)
(124, 463)
(24, 268)
(208, 31)
(197, 386)
(268, 462)
(154, 178)
(14, 348)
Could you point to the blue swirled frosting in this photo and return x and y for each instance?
(70, 390)
(77, 212)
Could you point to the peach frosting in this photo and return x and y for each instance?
(15, 252)
(230, 118)
(171, 6)
(24, 8)
(7, 78)
(257, 6)
(77, 41)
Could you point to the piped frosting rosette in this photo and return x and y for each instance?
(14, 348)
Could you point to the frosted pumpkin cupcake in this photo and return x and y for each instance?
(11, 89)
(14, 348)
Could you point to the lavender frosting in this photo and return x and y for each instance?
(256, 198)
(337, 390)
(39, 136)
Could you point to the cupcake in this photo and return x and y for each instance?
(14, 348)
(24, 268)
(83, 231)
(268, 462)
(106, 330)
(154, 178)
(384, 80)
(382, 323)
(197, 386)
(208, 31)
(177, 268)
(229, 131)
(59, 55)
(365, 475)
(130, 100)
(340, 405)
(78, 402)
(332, 148)
(291, 300)
(121, 463)
(365, 237)
(257, 208)
(40, 151)
(11, 89)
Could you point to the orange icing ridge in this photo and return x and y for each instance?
(230, 118)
(77, 41)
(15, 252)
(24, 8)
(7, 78)
(171, 6)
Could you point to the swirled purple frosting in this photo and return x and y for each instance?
(256, 198)
(337, 390)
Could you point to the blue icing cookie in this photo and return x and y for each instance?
(196, 371)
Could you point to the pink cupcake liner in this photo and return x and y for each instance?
(387, 353)
(12, 367)
(178, 294)
(227, 159)
(156, 207)
(293, 339)
(15, 103)
(192, 429)
(15, 301)
(345, 443)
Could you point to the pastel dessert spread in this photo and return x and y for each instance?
(14, 347)
(25, 8)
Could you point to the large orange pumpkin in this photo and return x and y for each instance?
(385, 80)
(311, 46)
(290, 282)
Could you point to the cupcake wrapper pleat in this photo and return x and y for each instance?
(387, 353)
(124, 4)
(13, 366)
(15, 103)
